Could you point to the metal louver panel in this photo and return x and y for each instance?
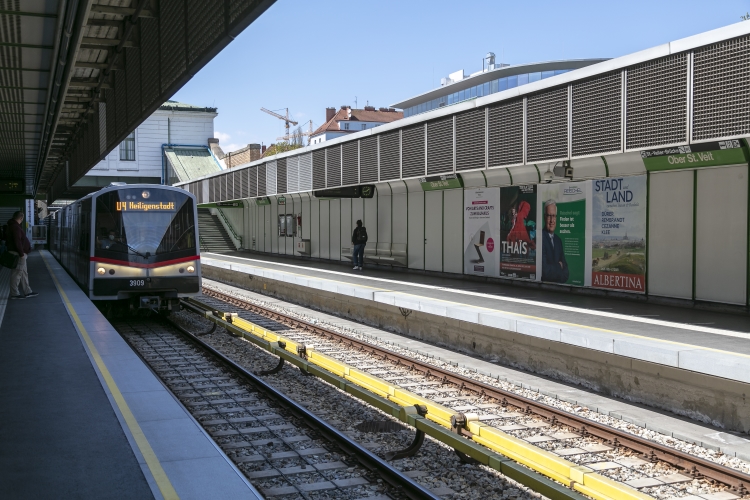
(230, 185)
(547, 126)
(412, 156)
(350, 163)
(657, 102)
(222, 187)
(721, 89)
(319, 169)
(333, 166)
(368, 159)
(306, 172)
(440, 146)
(597, 115)
(236, 184)
(390, 156)
(271, 167)
(281, 175)
(262, 180)
(252, 182)
(505, 134)
(292, 174)
(470, 140)
(244, 191)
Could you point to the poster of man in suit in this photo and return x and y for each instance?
(565, 215)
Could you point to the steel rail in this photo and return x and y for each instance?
(354, 450)
(697, 467)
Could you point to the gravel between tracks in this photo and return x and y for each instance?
(693, 449)
(435, 466)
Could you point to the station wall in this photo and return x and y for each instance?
(696, 227)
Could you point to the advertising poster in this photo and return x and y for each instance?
(564, 214)
(481, 231)
(518, 232)
(619, 234)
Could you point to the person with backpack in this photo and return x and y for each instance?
(359, 240)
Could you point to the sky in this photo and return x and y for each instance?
(308, 55)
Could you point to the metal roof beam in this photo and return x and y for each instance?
(88, 41)
(27, 14)
(122, 11)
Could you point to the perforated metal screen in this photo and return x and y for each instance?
(244, 185)
(222, 187)
(271, 169)
(547, 125)
(505, 134)
(305, 172)
(252, 181)
(412, 156)
(333, 166)
(390, 156)
(470, 139)
(281, 175)
(657, 102)
(292, 175)
(319, 169)
(350, 169)
(262, 180)
(368, 159)
(721, 89)
(440, 146)
(597, 115)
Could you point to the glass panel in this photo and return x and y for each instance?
(535, 77)
(486, 90)
(494, 86)
(561, 71)
(523, 79)
(473, 92)
(127, 148)
(547, 74)
(513, 81)
(461, 95)
(502, 84)
(144, 225)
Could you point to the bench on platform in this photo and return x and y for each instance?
(389, 254)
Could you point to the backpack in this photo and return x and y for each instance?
(362, 235)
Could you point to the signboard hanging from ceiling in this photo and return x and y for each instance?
(704, 154)
(12, 186)
(364, 191)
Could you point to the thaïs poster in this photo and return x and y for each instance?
(619, 234)
(564, 215)
(481, 231)
(518, 232)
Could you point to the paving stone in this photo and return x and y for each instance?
(297, 439)
(280, 427)
(536, 425)
(512, 427)
(227, 432)
(323, 485)
(283, 454)
(674, 478)
(721, 495)
(644, 482)
(487, 406)
(279, 491)
(263, 473)
(631, 461)
(414, 473)
(442, 491)
(566, 452)
(604, 466)
(541, 438)
(465, 408)
(238, 444)
(253, 430)
(312, 451)
(350, 481)
(331, 465)
(249, 458)
(565, 435)
(239, 420)
(596, 448)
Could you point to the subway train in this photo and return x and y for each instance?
(130, 246)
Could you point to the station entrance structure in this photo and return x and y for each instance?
(641, 162)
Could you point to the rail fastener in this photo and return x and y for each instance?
(532, 466)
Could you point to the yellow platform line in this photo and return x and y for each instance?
(162, 481)
(574, 476)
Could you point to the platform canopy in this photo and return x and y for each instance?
(77, 76)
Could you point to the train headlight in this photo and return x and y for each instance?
(101, 270)
(190, 269)
(145, 195)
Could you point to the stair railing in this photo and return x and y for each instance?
(204, 246)
(229, 226)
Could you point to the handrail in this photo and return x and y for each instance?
(202, 243)
(229, 225)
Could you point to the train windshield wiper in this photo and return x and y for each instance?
(146, 256)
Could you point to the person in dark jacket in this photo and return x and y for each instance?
(554, 265)
(359, 240)
(19, 244)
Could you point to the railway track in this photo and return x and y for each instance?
(284, 449)
(650, 467)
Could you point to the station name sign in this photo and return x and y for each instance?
(439, 182)
(705, 154)
(140, 206)
(364, 191)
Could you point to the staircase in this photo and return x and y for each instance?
(213, 236)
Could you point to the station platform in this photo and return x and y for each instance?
(642, 352)
(83, 416)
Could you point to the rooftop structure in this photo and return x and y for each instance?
(459, 87)
(348, 120)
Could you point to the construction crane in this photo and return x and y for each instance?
(289, 137)
(286, 119)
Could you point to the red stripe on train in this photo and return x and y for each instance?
(143, 266)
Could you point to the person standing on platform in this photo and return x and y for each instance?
(19, 244)
(359, 240)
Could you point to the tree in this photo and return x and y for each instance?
(298, 138)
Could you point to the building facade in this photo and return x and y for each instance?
(348, 120)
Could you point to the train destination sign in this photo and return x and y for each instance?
(140, 206)
(12, 186)
(705, 154)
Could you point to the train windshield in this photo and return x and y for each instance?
(144, 225)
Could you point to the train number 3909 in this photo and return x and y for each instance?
(137, 282)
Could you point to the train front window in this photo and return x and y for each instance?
(144, 225)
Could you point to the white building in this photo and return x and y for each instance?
(140, 158)
(347, 120)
